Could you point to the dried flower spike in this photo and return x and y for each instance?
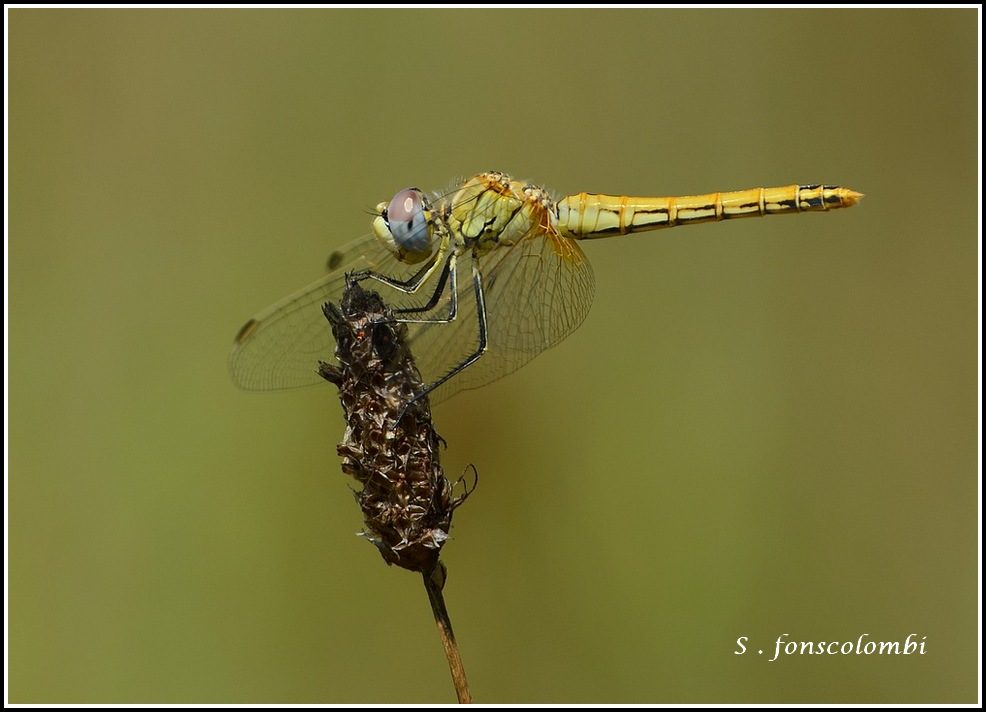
(390, 446)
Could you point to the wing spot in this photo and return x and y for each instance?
(246, 330)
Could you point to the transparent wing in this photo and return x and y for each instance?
(537, 292)
(282, 345)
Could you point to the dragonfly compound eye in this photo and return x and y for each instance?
(404, 226)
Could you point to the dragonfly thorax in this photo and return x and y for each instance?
(493, 210)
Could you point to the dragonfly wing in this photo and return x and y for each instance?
(537, 292)
(282, 345)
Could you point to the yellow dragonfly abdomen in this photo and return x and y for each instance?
(589, 215)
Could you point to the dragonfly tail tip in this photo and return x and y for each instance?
(852, 197)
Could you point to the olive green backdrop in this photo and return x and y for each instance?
(765, 427)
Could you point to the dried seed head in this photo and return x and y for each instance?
(390, 447)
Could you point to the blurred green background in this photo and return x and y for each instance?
(763, 427)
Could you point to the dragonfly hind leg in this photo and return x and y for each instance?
(480, 349)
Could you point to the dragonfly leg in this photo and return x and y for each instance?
(412, 284)
(436, 295)
(449, 275)
(477, 280)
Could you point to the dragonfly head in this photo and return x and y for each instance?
(405, 225)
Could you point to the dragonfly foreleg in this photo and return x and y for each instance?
(410, 285)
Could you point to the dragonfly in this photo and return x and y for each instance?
(486, 276)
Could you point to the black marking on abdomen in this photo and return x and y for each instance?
(606, 231)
